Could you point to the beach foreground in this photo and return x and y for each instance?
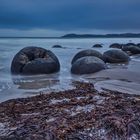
(78, 114)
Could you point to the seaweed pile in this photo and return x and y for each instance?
(78, 114)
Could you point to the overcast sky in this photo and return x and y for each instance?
(58, 17)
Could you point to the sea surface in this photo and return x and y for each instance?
(19, 86)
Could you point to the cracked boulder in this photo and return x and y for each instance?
(34, 60)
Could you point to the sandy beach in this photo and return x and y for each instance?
(121, 79)
(64, 106)
(25, 86)
(82, 113)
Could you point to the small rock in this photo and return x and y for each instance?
(97, 46)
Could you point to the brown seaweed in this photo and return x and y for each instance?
(78, 114)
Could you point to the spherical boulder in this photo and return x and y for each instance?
(97, 46)
(35, 60)
(130, 44)
(87, 65)
(116, 45)
(132, 49)
(88, 52)
(115, 56)
(57, 46)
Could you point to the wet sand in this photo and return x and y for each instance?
(34, 85)
(119, 86)
(125, 79)
(115, 74)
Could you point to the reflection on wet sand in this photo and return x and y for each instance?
(121, 72)
(47, 83)
(125, 78)
(115, 74)
(1, 67)
(119, 86)
(36, 82)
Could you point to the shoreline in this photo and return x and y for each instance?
(82, 113)
(8, 88)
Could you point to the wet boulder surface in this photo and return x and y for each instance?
(87, 65)
(35, 60)
(97, 46)
(88, 52)
(57, 46)
(115, 56)
(133, 49)
(129, 44)
(116, 45)
(138, 45)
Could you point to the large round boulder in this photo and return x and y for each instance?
(35, 60)
(133, 49)
(88, 52)
(97, 46)
(116, 45)
(87, 65)
(115, 56)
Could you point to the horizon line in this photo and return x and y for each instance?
(76, 34)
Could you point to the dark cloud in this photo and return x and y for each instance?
(70, 14)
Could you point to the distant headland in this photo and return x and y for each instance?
(131, 35)
(74, 35)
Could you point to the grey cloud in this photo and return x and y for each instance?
(69, 15)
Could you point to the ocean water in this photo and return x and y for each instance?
(19, 86)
